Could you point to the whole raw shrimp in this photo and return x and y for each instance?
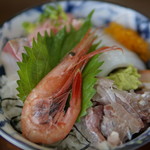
(44, 119)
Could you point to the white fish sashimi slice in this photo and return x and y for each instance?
(9, 63)
(116, 59)
(12, 53)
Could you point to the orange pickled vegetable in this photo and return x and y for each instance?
(130, 39)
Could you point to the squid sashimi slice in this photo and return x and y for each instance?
(116, 59)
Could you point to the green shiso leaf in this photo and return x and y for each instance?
(45, 54)
(90, 72)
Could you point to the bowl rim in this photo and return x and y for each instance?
(43, 3)
(15, 141)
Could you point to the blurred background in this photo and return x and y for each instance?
(9, 8)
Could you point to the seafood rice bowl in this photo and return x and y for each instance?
(75, 75)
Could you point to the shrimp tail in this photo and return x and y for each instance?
(75, 102)
(76, 89)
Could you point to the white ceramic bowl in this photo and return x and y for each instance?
(104, 13)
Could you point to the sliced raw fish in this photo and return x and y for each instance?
(117, 119)
(116, 59)
(15, 47)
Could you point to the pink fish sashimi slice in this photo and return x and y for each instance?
(117, 119)
(137, 104)
(93, 121)
(51, 25)
(15, 47)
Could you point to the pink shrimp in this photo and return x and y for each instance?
(43, 117)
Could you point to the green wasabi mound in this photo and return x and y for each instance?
(126, 79)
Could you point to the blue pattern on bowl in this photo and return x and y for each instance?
(104, 13)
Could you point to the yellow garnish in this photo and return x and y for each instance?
(130, 39)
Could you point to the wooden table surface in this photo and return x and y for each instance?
(9, 8)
